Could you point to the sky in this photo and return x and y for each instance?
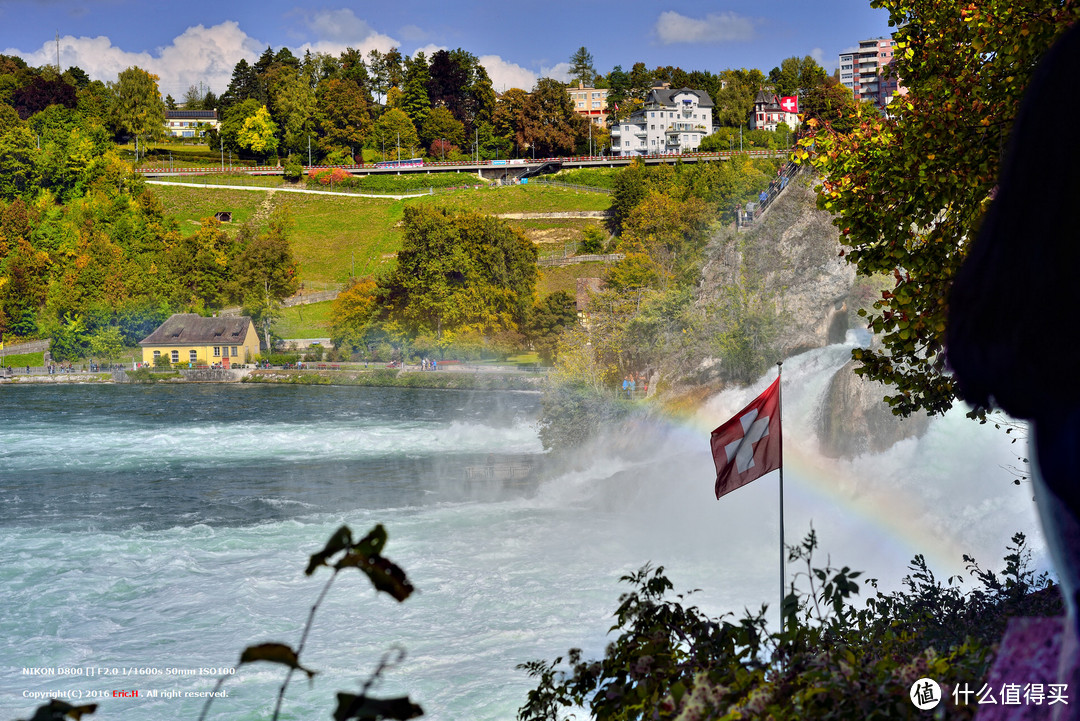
(518, 41)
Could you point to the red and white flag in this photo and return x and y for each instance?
(790, 103)
(749, 445)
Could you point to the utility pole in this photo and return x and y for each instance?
(58, 52)
(221, 144)
(309, 149)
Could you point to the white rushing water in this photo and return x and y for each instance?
(504, 574)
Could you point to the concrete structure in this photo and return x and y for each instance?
(670, 122)
(868, 71)
(190, 340)
(590, 103)
(190, 123)
(769, 112)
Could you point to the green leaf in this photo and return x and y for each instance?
(351, 706)
(274, 653)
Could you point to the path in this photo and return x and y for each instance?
(338, 193)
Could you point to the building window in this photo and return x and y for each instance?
(157, 354)
(217, 351)
(175, 356)
(193, 355)
(233, 353)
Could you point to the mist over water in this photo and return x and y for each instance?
(169, 527)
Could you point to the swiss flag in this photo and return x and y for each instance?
(790, 103)
(749, 445)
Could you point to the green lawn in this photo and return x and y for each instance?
(24, 359)
(305, 321)
(565, 277)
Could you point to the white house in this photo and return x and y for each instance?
(190, 123)
(671, 121)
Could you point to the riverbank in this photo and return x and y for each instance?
(394, 378)
(459, 379)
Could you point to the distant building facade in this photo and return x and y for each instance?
(769, 111)
(190, 123)
(869, 72)
(190, 340)
(670, 121)
(590, 103)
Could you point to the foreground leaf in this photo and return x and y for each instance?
(351, 706)
(274, 653)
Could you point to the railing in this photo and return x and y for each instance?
(752, 211)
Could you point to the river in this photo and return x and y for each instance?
(161, 529)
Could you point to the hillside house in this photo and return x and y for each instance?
(671, 121)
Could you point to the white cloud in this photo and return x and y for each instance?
(505, 74)
(671, 28)
(559, 71)
(819, 57)
(199, 54)
(338, 25)
(428, 50)
(336, 30)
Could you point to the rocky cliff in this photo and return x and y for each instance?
(792, 254)
(855, 420)
(791, 257)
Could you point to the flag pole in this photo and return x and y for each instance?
(780, 408)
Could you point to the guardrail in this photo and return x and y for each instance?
(446, 164)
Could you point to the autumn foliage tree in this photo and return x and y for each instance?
(909, 190)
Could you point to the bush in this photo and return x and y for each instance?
(830, 661)
(293, 170)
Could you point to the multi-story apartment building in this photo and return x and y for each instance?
(868, 71)
(590, 102)
(671, 121)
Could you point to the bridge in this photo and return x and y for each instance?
(515, 169)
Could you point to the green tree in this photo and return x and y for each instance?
(909, 190)
(393, 134)
(293, 108)
(232, 122)
(343, 113)
(459, 274)
(106, 343)
(18, 174)
(549, 317)
(354, 315)
(581, 67)
(264, 263)
(415, 101)
(796, 75)
(441, 124)
(258, 134)
(136, 106)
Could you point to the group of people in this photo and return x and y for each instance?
(631, 382)
(429, 364)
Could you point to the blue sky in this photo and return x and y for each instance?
(188, 43)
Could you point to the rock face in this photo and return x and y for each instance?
(854, 418)
(793, 253)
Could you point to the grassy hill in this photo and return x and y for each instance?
(336, 236)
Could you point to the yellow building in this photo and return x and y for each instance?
(590, 103)
(189, 340)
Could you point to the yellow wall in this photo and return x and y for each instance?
(204, 354)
